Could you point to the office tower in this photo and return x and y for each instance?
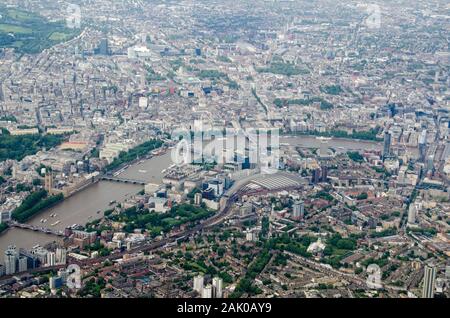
(217, 285)
(429, 281)
(208, 194)
(207, 292)
(32, 260)
(41, 254)
(246, 164)
(2, 270)
(423, 146)
(61, 256)
(324, 174)
(412, 214)
(430, 163)
(198, 283)
(103, 48)
(315, 176)
(298, 210)
(55, 282)
(2, 95)
(10, 260)
(23, 264)
(387, 145)
(51, 259)
(217, 186)
(198, 198)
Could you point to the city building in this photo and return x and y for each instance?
(412, 214)
(298, 210)
(198, 199)
(198, 283)
(207, 292)
(387, 145)
(217, 287)
(429, 281)
(10, 260)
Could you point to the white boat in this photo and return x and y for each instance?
(142, 171)
(56, 223)
(45, 220)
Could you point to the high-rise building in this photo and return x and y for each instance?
(23, 264)
(10, 260)
(430, 163)
(41, 254)
(32, 260)
(423, 146)
(387, 145)
(198, 51)
(298, 210)
(429, 281)
(207, 292)
(51, 259)
(315, 176)
(198, 198)
(412, 214)
(217, 186)
(198, 283)
(2, 270)
(217, 287)
(103, 48)
(324, 174)
(55, 282)
(61, 256)
(2, 95)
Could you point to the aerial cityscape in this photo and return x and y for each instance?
(224, 149)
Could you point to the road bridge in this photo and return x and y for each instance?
(124, 180)
(36, 228)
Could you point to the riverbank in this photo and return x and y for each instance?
(88, 203)
(134, 154)
(34, 204)
(338, 135)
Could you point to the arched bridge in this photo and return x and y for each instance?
(123, 180)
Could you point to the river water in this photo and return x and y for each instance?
(84, 205)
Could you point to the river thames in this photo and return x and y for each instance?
(90, 203)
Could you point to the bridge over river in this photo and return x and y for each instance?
(123, 180)
(36, 228)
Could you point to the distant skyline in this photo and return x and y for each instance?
(224, 149)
